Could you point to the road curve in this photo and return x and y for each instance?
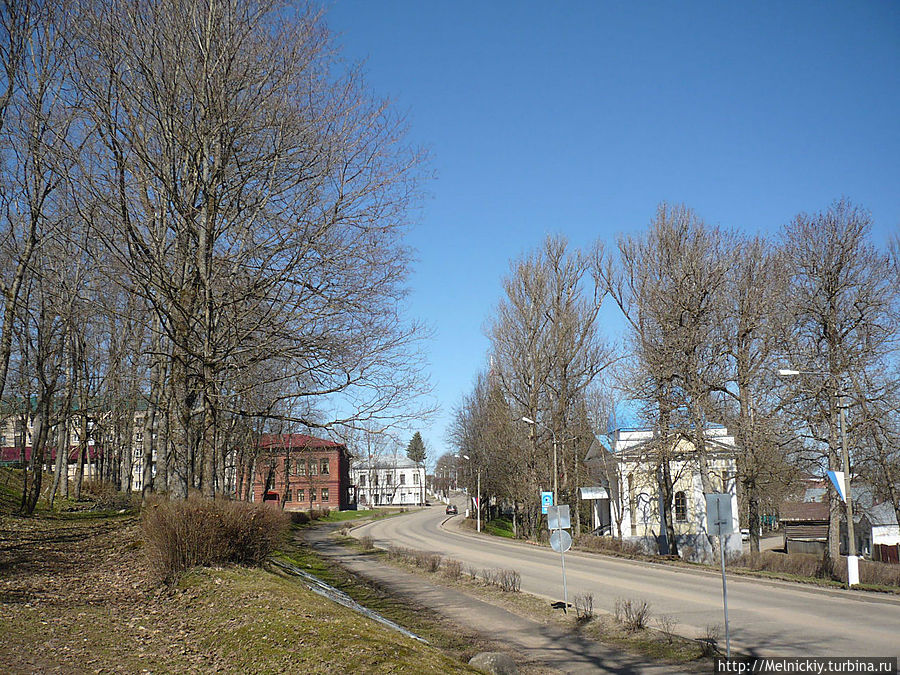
(768, 618)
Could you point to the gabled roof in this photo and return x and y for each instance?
(803, 512)
(296, 442)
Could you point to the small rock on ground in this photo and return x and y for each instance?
(495, 663)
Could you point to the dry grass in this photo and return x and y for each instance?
(801, 565)
(610, 545)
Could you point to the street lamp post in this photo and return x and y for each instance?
(852, 559)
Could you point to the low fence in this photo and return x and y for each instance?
(887, 553)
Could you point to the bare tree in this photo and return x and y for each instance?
(843, 302)
(669, 286)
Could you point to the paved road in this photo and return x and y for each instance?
(766, 617)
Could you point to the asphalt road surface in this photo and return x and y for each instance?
(770, 618)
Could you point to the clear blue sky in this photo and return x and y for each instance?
(580, 117)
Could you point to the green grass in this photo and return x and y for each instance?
(453, 640)
(500, 527)
(341, 516)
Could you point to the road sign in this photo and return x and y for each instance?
(560, 541)
(719, 520)
(558, 517)
(546, 501)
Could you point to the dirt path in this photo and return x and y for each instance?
(528, 641)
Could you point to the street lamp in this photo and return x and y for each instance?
(477, 497)
(852, 559)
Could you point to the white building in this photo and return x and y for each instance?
(394, 480)
(630, 471)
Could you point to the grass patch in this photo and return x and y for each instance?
(500, 527)
(342, 516)
(80, 588)
(455, 641)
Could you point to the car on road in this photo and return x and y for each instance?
(451, 510)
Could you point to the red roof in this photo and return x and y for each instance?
(9, 454)
(295, 441)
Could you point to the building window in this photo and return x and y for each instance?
(313, 468)
(312, 494)
(301, 495)
(324, 466)
(402, 479)
(680, 507)
(362, 480)
(300, 468)
(389, 479)
(288, 496)
(324, 494)
(416, 478)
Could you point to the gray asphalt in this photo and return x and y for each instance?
(769, 618)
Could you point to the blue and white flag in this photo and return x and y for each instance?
(837, 479)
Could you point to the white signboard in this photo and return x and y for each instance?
(558, 517)
(718, 514)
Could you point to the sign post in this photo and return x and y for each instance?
(558, 522)
(720, 523)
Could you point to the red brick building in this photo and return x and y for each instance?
(302, 472)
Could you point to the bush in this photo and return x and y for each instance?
(105, 495)
(299, 517)
(367, 543)
(202, 532)
(452, 569)
(634, 615)
(590, 542)
(584, 606)
(508, 581)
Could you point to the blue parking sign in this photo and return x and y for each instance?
(546, 501)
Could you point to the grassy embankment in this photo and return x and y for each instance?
(77, 595)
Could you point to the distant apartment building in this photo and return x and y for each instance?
(388, 481)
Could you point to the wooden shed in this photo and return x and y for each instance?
(805, 526)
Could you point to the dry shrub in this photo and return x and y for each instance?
(105, 495)
(299, 517)
(200, 532)
(799, 564)
(590, 542)
(367, 543)
(471, 571)
(508, 581)
(709, 645)
(666, 625)
(879, 573)
(452, 569)
(584, 606)
(432, 562)
(633, 614)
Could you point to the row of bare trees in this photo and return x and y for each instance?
(202, 212)
(711, 316)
